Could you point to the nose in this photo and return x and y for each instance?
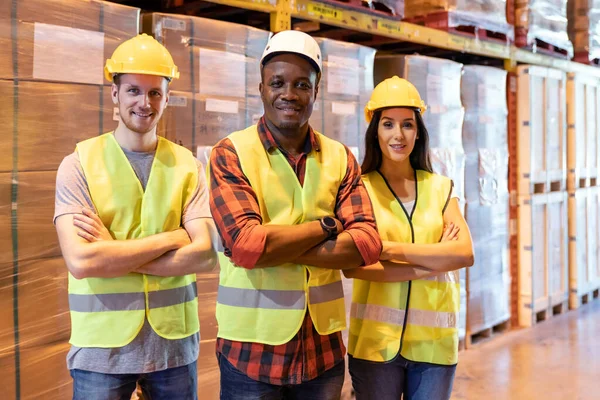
(146, 100)
(397, 132)
(289, 93)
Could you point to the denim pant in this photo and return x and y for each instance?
(389, 381)
(171, 384)
(237, 386)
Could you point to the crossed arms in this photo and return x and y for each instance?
(91, 252)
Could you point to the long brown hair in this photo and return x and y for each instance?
(419, 157)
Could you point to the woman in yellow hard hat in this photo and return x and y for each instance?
(403, 336)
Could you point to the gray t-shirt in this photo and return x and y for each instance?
(148, 352)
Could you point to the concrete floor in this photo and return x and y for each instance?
(557, 359)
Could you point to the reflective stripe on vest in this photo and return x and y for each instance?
(279, 296)
(110, 312)
(395, 316)
(417, 319)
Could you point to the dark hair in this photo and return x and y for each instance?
(419, 158)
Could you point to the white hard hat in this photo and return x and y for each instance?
(294, 42)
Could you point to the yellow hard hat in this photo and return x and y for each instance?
(394, 92)
(141, 55)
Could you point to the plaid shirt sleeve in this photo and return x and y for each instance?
(234, 207)
(355, 212)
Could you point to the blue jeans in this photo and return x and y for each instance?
(390, 380)
(237, 386)
(171, 384)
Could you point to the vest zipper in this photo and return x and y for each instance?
(412, 238)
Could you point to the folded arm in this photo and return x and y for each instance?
(440, 257)
(197, 257)
(97, 255)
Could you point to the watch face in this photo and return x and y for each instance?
(329, 223)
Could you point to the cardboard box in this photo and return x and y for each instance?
(62, 40)
(214, 57)
(52, 118)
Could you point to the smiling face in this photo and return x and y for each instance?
(288, 91)
(141, 99)
(397, 133)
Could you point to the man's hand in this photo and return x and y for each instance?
(90, 227)
(450, 233)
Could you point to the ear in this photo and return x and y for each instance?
(167, 95)
(114, 94)
(316, 91)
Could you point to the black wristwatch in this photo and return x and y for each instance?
(329, 227)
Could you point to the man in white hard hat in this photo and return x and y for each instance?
(134, 228)
(291, 211)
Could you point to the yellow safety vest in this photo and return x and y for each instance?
(110, 312)
(417, 319)
(268, 305)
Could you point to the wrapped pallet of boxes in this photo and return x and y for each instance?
(345, 87)
(438, 82)
(485, 140)
(482, 14)
(54, 95)
(542, 21)
(584, 29)
(217, 92)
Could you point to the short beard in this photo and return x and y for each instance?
(290, 125)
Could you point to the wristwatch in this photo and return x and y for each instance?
(329, 227)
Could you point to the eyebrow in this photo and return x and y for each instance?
(404, 120)
(132, 86)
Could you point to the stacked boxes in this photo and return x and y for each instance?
(345, 87)
(584, 28)
(541, 192)
(217, 92)
(583, 94)
(485, 140)
(484, 14)
(438, 82)
(55, 95)
(545, 20)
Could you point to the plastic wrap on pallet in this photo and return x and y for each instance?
(584, 27)
(485, 140)
(396, 7)
(484, 14)
(485, 134)
(545, 20)
(489, 279)
(215, 58)
(345, 87)
(54, 95)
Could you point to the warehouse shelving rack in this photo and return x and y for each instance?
(282, 12)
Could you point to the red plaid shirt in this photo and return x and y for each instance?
(235, 209)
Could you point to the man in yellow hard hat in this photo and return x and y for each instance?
(291, 211)
(134, 227)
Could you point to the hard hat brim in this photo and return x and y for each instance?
(270, 56)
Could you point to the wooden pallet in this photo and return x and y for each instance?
(374, 7)
(441, 20)
(539, 45)
(552, 311)
(475, 338)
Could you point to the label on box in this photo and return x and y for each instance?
(177, 101)
(435, 88)
(67, 54)
(343, 108)
(343, 75)
(222, 106)
(222, 73)
(174, 24)
(116, 115)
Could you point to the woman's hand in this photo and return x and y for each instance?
(450, 233)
